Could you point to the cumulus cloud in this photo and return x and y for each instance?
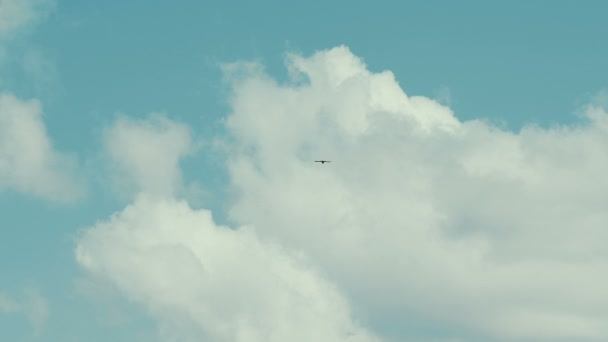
(28, 161)
(421, 215)
(201, 280)
(206, 281)
(420, 220)
(145, 154)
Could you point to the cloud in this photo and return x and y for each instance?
(199, 279)
(34, 306)
(17, 15)
(204, 281)
(145, 154)
(40, 70)
(28, 161)
(7, 305)
(420, 220)
(443, 95)
(420, 215)
(18, 18)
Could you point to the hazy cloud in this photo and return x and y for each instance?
(7, 305)
(34, 306)
(443, 95)
(17, 15)
(18, 18)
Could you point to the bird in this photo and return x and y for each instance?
(322, 161)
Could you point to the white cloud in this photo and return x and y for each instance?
(421, 215)
(483, 233)
(145, 154)
(207, 281)
(201, 280)
(28, 161)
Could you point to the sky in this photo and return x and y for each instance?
(158, 183)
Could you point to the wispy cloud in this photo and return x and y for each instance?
(33, 305)
(17, 16)
(8, 305)
(443, 95)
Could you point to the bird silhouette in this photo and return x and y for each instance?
(322, 161)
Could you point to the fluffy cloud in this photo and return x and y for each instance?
(207, 281)
(28, 161)
(145, 154)
(421, 216)
(201, 280)
(420, 220)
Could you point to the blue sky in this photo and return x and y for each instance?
(518, 65)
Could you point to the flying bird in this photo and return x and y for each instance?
(322, 161)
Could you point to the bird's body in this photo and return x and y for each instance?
(322, 161)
